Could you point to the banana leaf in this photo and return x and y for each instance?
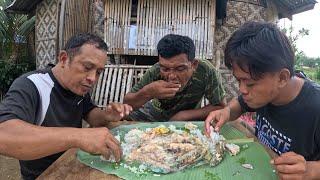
(229, 168)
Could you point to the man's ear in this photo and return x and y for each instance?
(195, 64)
(284, 77)
(63, 58)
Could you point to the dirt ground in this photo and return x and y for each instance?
(9, 168)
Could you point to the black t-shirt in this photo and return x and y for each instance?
(38, 98)
(291, 127)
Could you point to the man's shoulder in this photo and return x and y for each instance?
(312, 90)
(205, 66)
(205, 70)
(28, 74)
(27, 80)
(153, 72)
(155, 67)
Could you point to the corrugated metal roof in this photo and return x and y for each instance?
(22, 6)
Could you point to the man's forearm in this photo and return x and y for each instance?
(138, 99)
(234, 108)
(97, 117)
(313, 170)
(25, 141)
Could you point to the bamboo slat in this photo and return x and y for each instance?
(193, 18)
(123, 84)
(129, 82)
(113, 84)
(118, 84)
(146, 28)
(162, 16)
(97, 86)
(106, 94)
(152, 26)
(188, 18)
(206, 28)
(212, 27)
(102, 89)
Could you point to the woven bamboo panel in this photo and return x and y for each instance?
(46, 32)
(156, 18)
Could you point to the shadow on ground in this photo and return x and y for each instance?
(9, 168)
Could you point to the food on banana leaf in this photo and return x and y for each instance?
(247, 166)
(169, 149)
(232, 148)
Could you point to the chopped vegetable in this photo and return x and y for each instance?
(211, 176)
(242, 160)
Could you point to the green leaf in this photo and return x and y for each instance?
(255, 154)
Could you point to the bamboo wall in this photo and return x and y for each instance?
(75, 17)
(156, 18)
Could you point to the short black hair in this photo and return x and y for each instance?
(173, 44)
(73, 45)
(261, 47)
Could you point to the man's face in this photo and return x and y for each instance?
(82, 72)
(177, 69)
(257, 93)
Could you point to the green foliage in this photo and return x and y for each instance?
(312, 73)
(318, 74)
(10, 71)
(14, 57)
(293, 38)
(302, 62)
(14, 30)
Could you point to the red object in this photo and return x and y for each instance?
(249, 118)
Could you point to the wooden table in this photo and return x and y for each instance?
(68, 167)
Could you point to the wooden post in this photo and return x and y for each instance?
(212, 23)
(61, 23)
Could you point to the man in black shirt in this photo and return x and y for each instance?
(287, 106)
(42, 112)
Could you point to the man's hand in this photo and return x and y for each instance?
(99, 141)
(117, 111)
(290, 166)
(218, 117)
(162, 89)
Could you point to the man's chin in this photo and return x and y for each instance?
(82, 92)
(253, 105)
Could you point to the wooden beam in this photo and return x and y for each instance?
(61, 23)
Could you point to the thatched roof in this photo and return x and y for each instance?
(287, 8)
